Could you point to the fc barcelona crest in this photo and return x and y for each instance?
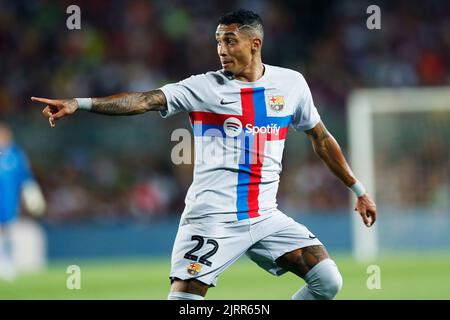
(276, 102)
(194, 268)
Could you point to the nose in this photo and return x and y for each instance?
(221, 50)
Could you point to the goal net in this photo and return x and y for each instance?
(400, 150)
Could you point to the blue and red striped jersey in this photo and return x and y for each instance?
(239, 132)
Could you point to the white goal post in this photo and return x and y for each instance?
(363, 105)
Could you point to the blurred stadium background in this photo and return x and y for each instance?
(114, 196)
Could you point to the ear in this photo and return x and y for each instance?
(256, 44)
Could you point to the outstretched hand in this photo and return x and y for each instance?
(56, 109)
(367, 209)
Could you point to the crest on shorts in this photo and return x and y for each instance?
(276, 102)
(194, 268)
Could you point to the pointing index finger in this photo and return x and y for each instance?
(43, 100)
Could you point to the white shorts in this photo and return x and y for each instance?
(203, 251)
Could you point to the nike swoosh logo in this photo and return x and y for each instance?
(226, 102)
(312, 237)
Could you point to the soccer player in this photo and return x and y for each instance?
(16, 183)
(231, 206)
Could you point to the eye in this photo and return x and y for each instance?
(230, 41)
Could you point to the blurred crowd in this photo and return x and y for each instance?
(412, 163)
(141, 45)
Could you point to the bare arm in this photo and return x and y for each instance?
(129, 103)
(327, 148)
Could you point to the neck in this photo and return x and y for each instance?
(4, 144)
(252, 72)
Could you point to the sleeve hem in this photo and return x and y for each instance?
(170, 111)
(308, 126)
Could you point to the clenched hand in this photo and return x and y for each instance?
(367, 209)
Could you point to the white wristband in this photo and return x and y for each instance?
(358, 189)
(84, 103)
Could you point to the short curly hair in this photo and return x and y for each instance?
(243, 18)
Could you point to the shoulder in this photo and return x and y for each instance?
(289, 76)
(210, 77)
(283, 72)
(17, 153)
(15, 149)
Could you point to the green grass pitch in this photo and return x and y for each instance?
(421, 276)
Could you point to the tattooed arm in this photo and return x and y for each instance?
(129, 103)
(327, 148)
